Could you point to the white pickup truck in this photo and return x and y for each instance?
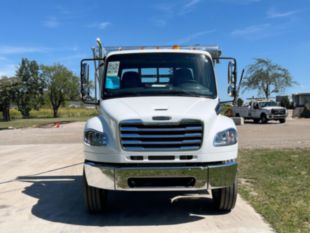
(159, 127)
(261, 111)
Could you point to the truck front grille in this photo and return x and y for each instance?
(136, 136)
(278, 111)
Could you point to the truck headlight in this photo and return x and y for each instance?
(226, 138)
(95, 138)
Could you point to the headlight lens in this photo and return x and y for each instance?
(95, 138)
(226, 138)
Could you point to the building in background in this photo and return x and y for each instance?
(300, 102)
(301, 99)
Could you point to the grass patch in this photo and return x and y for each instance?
(277, 184)
(24, 123)
(48, 113)
(45, 116)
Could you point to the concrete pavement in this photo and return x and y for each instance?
(41, 191)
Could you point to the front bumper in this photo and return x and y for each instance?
(276, 117)
(160, 177)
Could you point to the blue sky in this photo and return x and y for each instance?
(64, 31)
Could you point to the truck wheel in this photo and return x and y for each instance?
(282, 121)
(224, 199)
(263, 119)
(95, 198)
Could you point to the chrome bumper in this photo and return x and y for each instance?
(200, 177)
(276, 117)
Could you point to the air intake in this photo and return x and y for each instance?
(185, 136)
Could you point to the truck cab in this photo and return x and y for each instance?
(159, 126)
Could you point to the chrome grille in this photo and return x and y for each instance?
(278, 111)
(136, 136)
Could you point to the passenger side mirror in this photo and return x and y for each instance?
(231, 76)
(90, 92)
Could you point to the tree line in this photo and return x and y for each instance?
(34, 85)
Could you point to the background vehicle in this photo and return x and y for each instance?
(159, 127)
(261, 111)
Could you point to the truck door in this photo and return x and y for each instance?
(255, 112)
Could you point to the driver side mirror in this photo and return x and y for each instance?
(89, 81)
(84, 80)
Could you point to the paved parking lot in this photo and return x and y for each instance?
(41, 187)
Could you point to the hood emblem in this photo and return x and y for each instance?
(161, 118)
(161, 109)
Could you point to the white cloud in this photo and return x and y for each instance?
(271, 13)
(22, 49)
(168, 11)
(194, 36)
(51, 22)
(101, 25)
(252, 32)
(188, 7)
(240, 1)
(159, 22)
(191, 3)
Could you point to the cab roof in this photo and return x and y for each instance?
(212, 51)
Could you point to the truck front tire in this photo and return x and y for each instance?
(282, 121)
(95, 198)
(263, 119)
(224, 199)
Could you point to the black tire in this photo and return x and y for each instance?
(263, 119)
(95, 198)
(224, 199)
(282, 120)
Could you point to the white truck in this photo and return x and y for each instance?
(159, 127)
(261, 111)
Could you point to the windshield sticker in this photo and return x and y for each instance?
(113, 68)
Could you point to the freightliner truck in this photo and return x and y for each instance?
(159, 126)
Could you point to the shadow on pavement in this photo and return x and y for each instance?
(60, 199)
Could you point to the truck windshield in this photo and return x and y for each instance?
(268, 104)
(149, 74)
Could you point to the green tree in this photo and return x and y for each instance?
(240, 102)
(267, 77)
(7, 91)
(285, 102)
(61, 85)
(29, 89)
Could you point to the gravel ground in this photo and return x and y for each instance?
(293, 133)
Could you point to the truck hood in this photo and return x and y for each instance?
(273, 107)
(173, 108)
